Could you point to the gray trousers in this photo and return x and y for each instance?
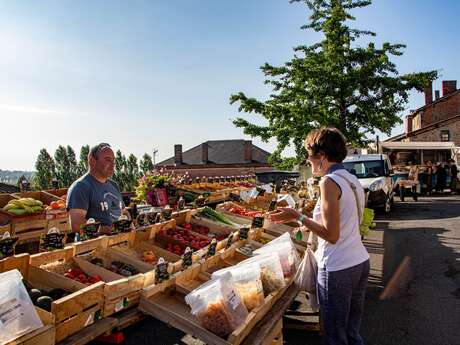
(341, 299)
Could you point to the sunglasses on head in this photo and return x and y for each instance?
(96, 149)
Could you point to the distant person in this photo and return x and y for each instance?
(429, 177)
(392, 157)
(94, 195)
(413, 176)
(453, 176)
(441, 177)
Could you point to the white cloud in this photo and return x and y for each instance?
(30, 110)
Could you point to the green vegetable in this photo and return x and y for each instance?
(209, 213)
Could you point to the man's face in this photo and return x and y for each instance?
(104, 162)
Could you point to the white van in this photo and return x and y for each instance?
(374, 172)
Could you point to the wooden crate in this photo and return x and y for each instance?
(60, 192)
(217, 228)
(61, 223)
(44, 197)
(237, 218)
(43, 336)
(119, 292)
(19, 262)
(168, 304)
(28, 231)
(5, 228)
(9, 218)
(75, 311)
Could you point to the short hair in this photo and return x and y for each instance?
(329, 141)
(95, 149)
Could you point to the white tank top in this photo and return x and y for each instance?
(348, 251)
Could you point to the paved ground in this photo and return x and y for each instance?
(423, 303)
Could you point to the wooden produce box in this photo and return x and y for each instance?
(44, 197)
(276, 230)
(217, 228)
(120, 292)
(237, 218)
(168, 304)
(9, 218)
(82, 307)
(60, 192)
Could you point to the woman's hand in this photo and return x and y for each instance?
(284, 215)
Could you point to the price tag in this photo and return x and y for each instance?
(167, 213)
(122, 304)
(257, 222)
(187, 258)
(229, 241)
(272, 206)
(212, 248)
(90, 230)
(161, 271)
(122, 225)
(244, 232)
(7, 245)
(234, 197)
(52, 241)
(71, 237)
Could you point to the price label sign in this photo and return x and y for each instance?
(272, 206)
(52, 241)
(229, 241)
(261, 191)
(122, 225)
(161, 271)
(90, 230)
(7, 245)
(187, 258)
(257, 222)
(234, 197)
(70, 237)
(212, 248)
(244, 232)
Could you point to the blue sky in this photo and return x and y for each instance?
(151, 74)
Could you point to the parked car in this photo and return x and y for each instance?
(374, 172)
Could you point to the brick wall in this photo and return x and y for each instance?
(435, 134)
(438, 111)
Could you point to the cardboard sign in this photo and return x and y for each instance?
(72, 237)
(212, 248)
(229, 241)
(234, 197)
(161, 271)
(187, 258)
(161, 197)
(7, 245)
(272, 206)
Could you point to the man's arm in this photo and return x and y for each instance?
(77, 218)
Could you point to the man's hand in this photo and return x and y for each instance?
(77, 218)
(105, 229)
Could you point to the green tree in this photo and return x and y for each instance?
(45, 171)
(119, 175)
(20, 179)
(73, 166)
(146, 163)
(132, 173)
(343, 81)
(63, 173)
(82, 167)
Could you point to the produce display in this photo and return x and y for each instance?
(126, 270)
(241, 211)
(43, 299)
(215, 216)
(148, 256)
(80, 276)
(56, 206)
(203, 230)
(184, 239)
(23, 206)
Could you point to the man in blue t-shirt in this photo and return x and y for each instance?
(94, 195)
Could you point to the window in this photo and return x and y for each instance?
(365, 169)
(445, 136)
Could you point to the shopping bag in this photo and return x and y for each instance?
(307, 274)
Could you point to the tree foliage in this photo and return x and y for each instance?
(345, 81)
(45, 171)
(146, 163)
(132, 173)
(73, 166)
(82, 167)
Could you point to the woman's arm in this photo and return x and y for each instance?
(330, 213)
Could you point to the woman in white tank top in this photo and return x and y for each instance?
(343, 262)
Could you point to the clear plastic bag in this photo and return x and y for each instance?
(247, 283)
(307, 275)
(289, 258)
(217, 306)
(271, 272)
(17, 313)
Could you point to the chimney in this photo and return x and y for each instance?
(448, 86)
(178, 154)
(248, 151)
(436, 95)
(204, 153)
(428, 90)
(408, 124)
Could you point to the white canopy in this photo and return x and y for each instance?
(418, 145)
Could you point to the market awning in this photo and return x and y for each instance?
(418, 145)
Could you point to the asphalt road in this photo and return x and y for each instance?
(415, 266)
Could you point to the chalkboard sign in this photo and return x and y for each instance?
(71, 237)
(261, 191)
(167, 213)
(234, 197)
(161, 271)
(187, 258)
(212, 248)
(257, 222)
(229, 241)
(90, 230)
(52, 241)
(272, 206)
(7, 245)
(244, 231)
(122, 225)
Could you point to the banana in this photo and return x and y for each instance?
(28, 209)
(17, 211)
(8, 207)
(37, 208)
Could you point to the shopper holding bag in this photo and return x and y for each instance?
(343, 262)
